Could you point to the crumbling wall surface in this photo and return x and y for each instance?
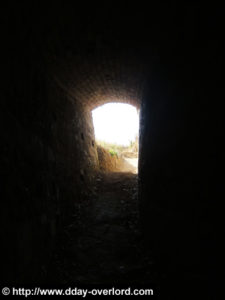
(48, 158)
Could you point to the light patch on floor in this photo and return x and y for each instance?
(133, 162)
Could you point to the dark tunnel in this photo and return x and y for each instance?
(59, 62)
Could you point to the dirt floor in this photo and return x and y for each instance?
(109, 247)
(129, 165)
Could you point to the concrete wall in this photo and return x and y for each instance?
(180, 158)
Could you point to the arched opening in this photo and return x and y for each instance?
(116, 127)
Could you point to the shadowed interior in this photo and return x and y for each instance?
(59, 63)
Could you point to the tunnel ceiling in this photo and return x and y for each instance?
(96, 60)
(96, 54)
(99, 79)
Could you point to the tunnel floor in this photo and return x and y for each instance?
(109, 247)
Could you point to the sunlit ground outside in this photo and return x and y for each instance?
(116, 129)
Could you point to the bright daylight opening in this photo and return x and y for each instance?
(116, 131)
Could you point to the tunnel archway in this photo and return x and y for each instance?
(89, 81)
(110, 202)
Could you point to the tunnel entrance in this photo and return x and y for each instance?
(116, 128)
(103, 245)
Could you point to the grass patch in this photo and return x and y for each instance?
(113, 152)
(116, 149)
